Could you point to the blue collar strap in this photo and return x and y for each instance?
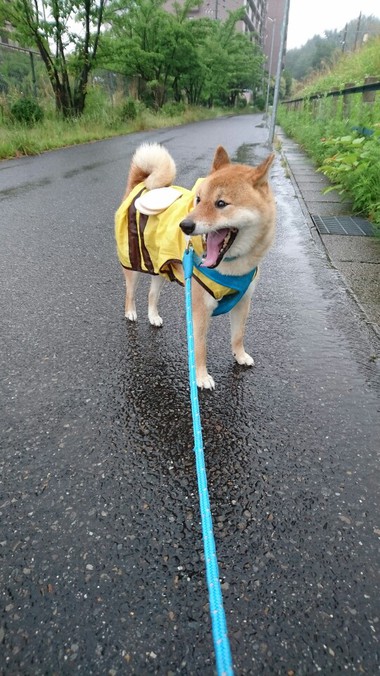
(239, 284)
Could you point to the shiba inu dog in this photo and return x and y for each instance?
(230, 216)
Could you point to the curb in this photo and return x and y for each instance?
(319, 241)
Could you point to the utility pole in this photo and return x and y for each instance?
(269, 68)
(357, 31)
(344, 39)
(284, 30)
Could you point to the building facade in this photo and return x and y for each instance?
(253, 22)
(263, 20)
(271, 43)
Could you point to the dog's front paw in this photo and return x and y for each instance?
(205, 382)
(244, 359)
(155, 320)
(131, 315)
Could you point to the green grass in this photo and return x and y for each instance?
(348, 68)
(17, 140)
(320, 125)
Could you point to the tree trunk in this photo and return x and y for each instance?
(59, 81)
(62, 100)
(80, 90)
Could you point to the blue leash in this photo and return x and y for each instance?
(218, 619)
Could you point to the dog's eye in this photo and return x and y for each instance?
(197, 199)
(220, 204)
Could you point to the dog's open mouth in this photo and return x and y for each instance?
(217, 244)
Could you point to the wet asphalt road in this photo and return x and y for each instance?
(102, 565)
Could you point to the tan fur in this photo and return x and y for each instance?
(153, 165)
(250, 208)
(243, 188)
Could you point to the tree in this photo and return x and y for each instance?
(172, 55)
(152, 45)
(321, 51)
(66, 33)
(230, 62)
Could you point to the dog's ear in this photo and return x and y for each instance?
(220, 159)
(260, 173)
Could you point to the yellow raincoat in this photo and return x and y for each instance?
(156, 244)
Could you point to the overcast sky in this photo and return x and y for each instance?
(308, 18)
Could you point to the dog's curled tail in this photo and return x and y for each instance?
(153, 165)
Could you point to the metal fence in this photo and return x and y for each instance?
(23, 73)
(358, 105)
(367, 89)
(116, 86)
(351, 99)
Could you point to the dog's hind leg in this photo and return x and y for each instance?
(131, 279)
(238, 318)
(154, 294)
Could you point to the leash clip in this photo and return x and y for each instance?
(188, 259)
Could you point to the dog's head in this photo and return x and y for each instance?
(234, 210)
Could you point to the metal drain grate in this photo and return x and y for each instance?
(343, 225)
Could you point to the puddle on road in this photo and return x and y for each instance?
(250, 153)
(85, 167)
(24, 188)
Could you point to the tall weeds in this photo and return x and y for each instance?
(99, 122)
(343, 136)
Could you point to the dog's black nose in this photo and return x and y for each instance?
(187, 226)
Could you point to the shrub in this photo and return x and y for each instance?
(259, 103)
(354, 168)
(129, 110)
(242, 102)
(3, 85)
(173, 108)
(98, 104)
(27, 111)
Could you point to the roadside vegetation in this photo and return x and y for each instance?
(322, 52)
(22, 138)
(102, 68)
(342, 135)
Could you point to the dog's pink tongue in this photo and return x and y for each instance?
(214, 243)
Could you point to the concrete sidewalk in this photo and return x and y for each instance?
(357, 258)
